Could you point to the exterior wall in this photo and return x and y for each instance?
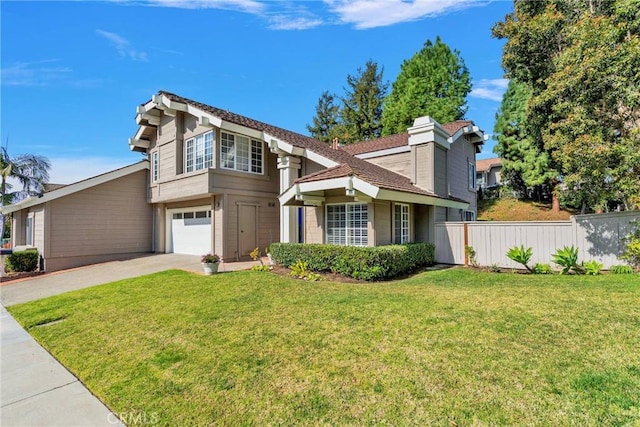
(597, 237)
(38, 213)
(421, 222)
(108, 221)
(440, 171)
(314, 224)
(309, 167)
(383, 222)
(423, 166)
(399, 163)
(459, 156)
(494, 176)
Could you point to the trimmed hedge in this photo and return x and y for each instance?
(23, 261)
(359, 262)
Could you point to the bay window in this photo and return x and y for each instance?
(347, 224)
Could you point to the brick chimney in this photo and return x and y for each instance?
(334, 143)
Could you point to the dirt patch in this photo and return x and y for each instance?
(12, 277)
(339, 278)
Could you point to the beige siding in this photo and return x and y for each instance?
(424, 166)
(440, 214)
(383, 218)
(441, 172)
(38, 227)
(399, 163)
(314, 224)
(421, 223)
(311, 167)
(111, 218)
(461, 153)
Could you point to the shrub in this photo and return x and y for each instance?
(23, 261)
(366, 263)
(471, 255)
(521, 255)
(539, 268)
(567, 258)
(593, 267)
(621, 269)
(631, 252)
(299, 270)
(209, 259)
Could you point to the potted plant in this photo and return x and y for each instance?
(210, 263)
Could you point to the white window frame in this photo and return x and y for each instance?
(401, 234)
(198, 152)
(155, 162)
(349, 234)
(241, 153)
(472, 176)
(29, 229)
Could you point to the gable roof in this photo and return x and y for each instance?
(486, 164)
(66, 190)
(339, 160)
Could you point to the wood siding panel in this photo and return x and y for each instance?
(399, 163)
(38, 227)
(459, 156)
(314, 224)
(111, 218)
(383, 219)
(424, 167)
(440, 170)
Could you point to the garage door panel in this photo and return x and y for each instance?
(191, 233)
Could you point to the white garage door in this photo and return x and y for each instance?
(191, 232)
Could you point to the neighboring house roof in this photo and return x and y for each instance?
(485, 165)
(375, 176)
(51, 187)
(65, 190)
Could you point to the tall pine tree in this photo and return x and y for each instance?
(361, 112)
(434, 82)
(326, 121)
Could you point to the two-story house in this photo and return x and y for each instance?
(216, 181)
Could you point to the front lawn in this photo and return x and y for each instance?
(449, 347)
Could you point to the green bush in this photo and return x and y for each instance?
(593, 267)
(539, 268)
(366, 263)
(22, 261)
(621, 269)
(631, 252)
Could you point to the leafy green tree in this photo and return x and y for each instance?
(326, 120)
(580, 60)
(361, 112)
(30, 170)
(434, 82)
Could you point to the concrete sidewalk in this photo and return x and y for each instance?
(36, 389)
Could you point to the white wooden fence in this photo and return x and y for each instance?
(598, 237)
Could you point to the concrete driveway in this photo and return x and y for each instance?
(36, 390)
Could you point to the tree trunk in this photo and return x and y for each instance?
(555, 202)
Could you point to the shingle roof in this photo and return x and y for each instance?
(486, 164)
(348, 164)
(398, 140)
(384, 143)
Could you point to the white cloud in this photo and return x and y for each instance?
(249, 6)
(491, 89)
(36, 73)
(123, 46)
(379, 13)
(67, 170)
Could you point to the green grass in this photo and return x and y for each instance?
(450, 347)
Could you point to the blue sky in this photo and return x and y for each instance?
(74, 72)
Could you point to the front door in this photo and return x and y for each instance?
(247, 230)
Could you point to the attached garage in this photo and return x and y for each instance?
(189, 231)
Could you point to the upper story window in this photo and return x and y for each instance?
(199, 152)
(241, 153)
(347, 224)
(472, 176)
(469, 216)
(155, 173)
(401, 223)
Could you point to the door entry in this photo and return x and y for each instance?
(247, 229)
